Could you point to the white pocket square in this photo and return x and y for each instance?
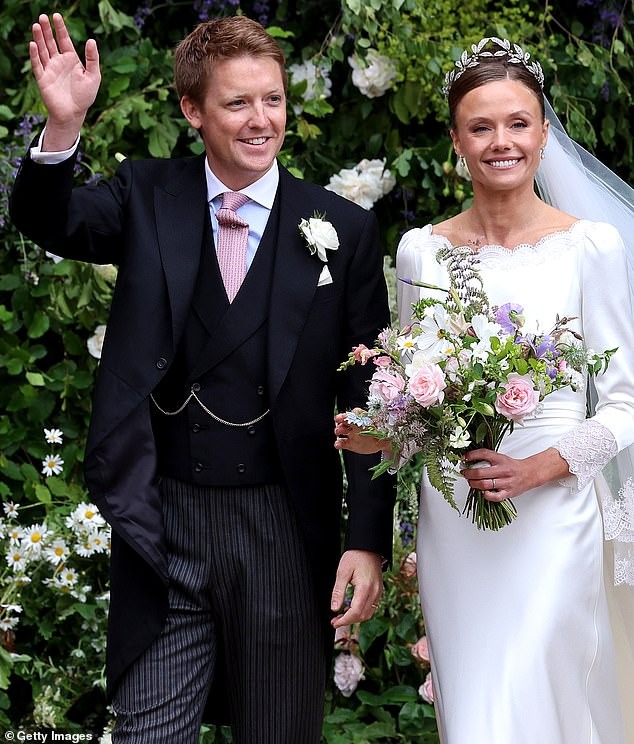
(324, 277)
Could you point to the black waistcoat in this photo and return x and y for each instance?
(223, 360)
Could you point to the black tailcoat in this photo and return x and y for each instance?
(149, 220)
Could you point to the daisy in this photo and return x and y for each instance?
(57, 552)
(9, 623)
(52, 465)
(67, 577)
(53, 436)
(15, 534)
(10, 509)
(16, 559)
(99, 541)
(34, 536)
(85, 516)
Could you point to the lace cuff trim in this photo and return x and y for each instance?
(618, 521)
(587, 449)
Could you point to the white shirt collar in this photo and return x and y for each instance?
(261, 191)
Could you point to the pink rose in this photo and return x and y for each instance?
(420, 650)
(426, 690)
(382, 361)
(408, 566)
(426, 385)
(518, 399)
(362, 354)
(386, 385)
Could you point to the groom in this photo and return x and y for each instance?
(210, 447)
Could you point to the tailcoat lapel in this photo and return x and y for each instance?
(180, 209)
(295, 276)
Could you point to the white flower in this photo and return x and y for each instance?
(10, 509)
(85, 517)
(57, 552)
(12, 608)
(320, 236)
(52, 465)
(66, 578)
(8, 623)
(373, 74)
(95, 342)
(16, 558)
(459, 438)
(94, 542)
(406, 343)
(33, 538)
(53, 436)
(348, 673)
(318, 84)
(15, 535)
(433, 342)
(364, 184)
(485, 330)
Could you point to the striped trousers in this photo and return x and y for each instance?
(240, 587)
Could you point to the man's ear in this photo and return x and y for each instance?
(191, 111)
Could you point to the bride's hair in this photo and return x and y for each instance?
(489, 70)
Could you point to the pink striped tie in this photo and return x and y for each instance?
(233, 234)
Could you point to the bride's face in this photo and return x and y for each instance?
(500, 131)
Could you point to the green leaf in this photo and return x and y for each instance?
(36, 379)
(39, 325)
(392, 696)
(42, 494)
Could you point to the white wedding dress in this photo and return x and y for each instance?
(518, 623)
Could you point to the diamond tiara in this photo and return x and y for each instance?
(513, 52)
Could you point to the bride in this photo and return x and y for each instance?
(521, 623)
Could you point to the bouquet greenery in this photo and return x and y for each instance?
(461, 376)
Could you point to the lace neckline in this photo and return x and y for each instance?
(496, 247)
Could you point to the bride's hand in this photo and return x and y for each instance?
(508, 477)
(504, 477)
(349, 437)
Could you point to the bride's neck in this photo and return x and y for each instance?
(504, 219)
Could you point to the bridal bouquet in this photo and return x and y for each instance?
(461, 376)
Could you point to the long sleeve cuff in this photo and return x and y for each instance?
(51, 158)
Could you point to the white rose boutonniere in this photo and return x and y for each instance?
(320, 236)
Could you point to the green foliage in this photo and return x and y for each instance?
(49, 311)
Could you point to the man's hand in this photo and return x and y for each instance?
(349, 437)
(362, 570)
(68, 89)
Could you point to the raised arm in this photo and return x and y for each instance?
(67, 86)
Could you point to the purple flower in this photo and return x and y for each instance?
(545, 348)
(509, 316)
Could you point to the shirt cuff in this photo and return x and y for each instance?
(51, 158)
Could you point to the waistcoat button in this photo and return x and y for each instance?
(241, 468)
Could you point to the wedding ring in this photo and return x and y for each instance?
(374, 605)
(493, 481)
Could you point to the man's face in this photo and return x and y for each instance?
(242, 118)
